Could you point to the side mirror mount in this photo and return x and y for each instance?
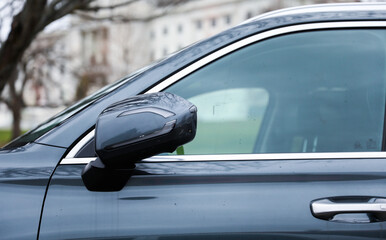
(133, 129)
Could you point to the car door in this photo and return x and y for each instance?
(289, 145)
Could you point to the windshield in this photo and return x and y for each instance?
(69, 112)
(61, 117)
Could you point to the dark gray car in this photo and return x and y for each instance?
(289, 145)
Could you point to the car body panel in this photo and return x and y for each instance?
(166, 198)
(171, 200)
(24, 175)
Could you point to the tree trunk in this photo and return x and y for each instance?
(23, 31)
(16, 114)
(16, 105)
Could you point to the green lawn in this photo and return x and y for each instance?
(5, 136)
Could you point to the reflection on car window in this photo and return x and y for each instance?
(320, 91)
(220, 129)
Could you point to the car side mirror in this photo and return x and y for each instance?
(133, 129)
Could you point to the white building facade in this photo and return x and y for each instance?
(136, 35)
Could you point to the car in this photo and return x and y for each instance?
(273, 129)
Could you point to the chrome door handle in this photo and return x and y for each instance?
(326, 209)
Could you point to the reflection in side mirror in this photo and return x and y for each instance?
(134, 129)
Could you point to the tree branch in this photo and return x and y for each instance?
(33, 18)
(117, 18)
(6, 102)
(109, 7)
(35, 15)
(25, 79)
(20, 37)
(51, 13)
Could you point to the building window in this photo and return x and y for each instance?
(213, 22)
(165, 31)
(248, 15)
(228, 19)
(198, 24)
(152, 35)
(126, 55)
(95, 46)
(179, 28)
(152, 56)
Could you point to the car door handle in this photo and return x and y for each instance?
(329, 207)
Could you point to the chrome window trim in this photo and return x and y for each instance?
(245, 157)
(228, 49)
(256, 38)
(314, 8)
(80, 144)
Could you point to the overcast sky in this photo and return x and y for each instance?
(6, 18)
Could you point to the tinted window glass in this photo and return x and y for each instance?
(320, 91)
(220, 129)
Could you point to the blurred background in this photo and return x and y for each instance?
(53, 53)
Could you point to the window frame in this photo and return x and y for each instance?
(179, 75)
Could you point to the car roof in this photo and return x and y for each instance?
(319, 8)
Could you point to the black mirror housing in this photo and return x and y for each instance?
(143, 126)
(133, 129)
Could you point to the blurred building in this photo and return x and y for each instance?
(146, 31)
(130, 37)
(106, 45)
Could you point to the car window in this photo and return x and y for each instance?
(317, 91)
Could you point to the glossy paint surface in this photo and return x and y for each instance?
(230, 199)
(189, 200)
(24, 175)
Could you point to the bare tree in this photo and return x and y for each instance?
(34, 69)
(22, 60)
(20, 63)
(33, 17)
